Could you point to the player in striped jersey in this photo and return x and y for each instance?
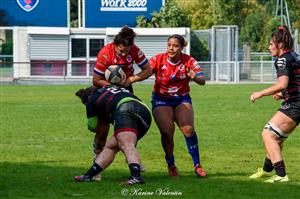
(131, 119)
(287, 118)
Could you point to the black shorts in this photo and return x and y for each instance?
(132, 116)
(292, 110)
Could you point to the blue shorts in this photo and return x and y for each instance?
(169, 101)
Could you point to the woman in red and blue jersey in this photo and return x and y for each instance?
(171, 102)
(122, 51)
(287, 118)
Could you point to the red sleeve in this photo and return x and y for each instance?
(195, 66)
(138, 56)
(103, 61)
(154, 64)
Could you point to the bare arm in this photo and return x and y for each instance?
(144, 74)
(282, 83)
(198, 79)
(101, 135)
(99, 81)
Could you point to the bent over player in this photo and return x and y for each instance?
(286, 119)
(131, 119)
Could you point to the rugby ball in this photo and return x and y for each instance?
(114, 74)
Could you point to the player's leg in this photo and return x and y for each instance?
(274, 134)
(164, 119)
(184, 118)
(127, 142)
(126, 131)
(103, 160)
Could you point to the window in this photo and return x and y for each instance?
(95, 46)
(79, 48)
(48, 68)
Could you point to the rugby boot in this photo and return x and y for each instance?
(277, 178)
(260, 174)
(173, 171)
(134, 180)
(200, 172)
(83, 178)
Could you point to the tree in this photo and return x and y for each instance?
(252, 30)
(7, 47)
(74, 13)
(203, 14)
(230, 12)
(174, 16)
(169, 16)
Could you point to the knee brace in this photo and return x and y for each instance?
(276, 131)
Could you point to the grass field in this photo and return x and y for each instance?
(44, 143)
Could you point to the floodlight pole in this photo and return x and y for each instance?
(284, 18)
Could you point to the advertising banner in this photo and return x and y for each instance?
(117, 13)
(35, 12)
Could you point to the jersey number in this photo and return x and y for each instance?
(115, 90)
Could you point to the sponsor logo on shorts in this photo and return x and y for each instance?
(285, 106)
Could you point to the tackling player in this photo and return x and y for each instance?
(286, 119)
(171, 102)
(131, 119)
(123, 52)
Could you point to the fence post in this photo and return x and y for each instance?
(261, 70)
(217, 72)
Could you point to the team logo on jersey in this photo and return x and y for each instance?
(172, 76)
(182, 67)
(281, 63)
(163, 67)
(129, 58)
(27, 5)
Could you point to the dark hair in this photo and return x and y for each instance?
(179, 38)
(283, 35)
(85, 93)
(125, 37)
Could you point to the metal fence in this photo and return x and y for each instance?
(215, 72)
(241, 71)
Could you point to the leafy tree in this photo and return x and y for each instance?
(74, 13)
(7, 47)
(253, 30)
(203, 14)
(169, 16)
(174, 16)
(230, 12)
(199, 48)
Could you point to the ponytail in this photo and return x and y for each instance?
(283, 35)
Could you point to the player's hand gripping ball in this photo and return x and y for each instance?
(114, 74)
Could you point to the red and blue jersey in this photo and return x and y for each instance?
(107, 56)
(171, 79)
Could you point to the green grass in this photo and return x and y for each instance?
(44, 144)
